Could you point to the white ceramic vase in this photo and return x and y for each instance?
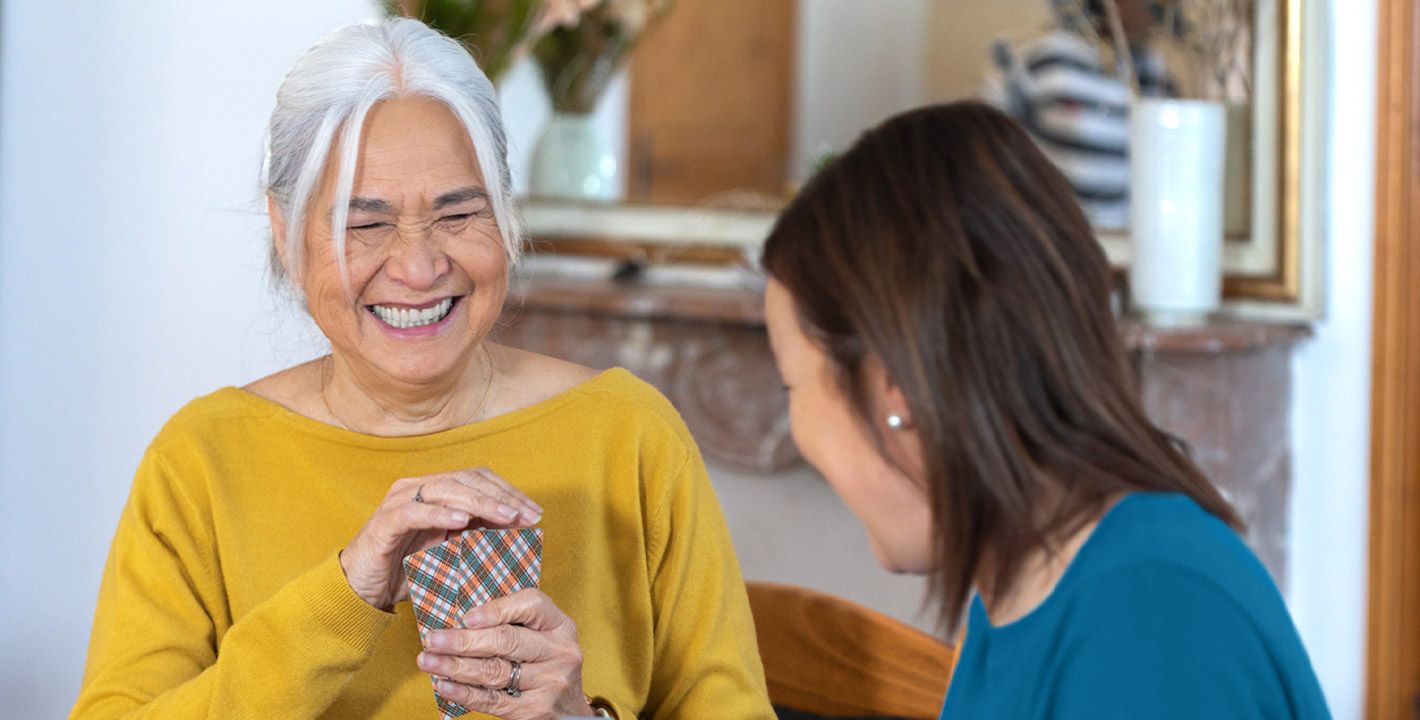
(572, 161)
(1176, 153)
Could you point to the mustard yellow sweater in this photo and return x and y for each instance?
(223, 596)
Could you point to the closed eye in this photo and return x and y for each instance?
(456, 218)
(369, 226)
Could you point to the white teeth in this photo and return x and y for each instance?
(403, 318)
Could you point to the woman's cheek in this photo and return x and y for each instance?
(812, 428)
(797, 431)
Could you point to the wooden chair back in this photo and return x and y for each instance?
(832, 657)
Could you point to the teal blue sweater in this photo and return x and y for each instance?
(1164, 613)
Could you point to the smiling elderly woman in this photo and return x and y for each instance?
(256, 570)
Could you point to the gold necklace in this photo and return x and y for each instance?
(326, 366)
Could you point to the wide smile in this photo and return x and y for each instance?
(405, 317)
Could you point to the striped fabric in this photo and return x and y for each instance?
(1078, 111)
(451, 578)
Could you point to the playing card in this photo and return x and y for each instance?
(448, 580)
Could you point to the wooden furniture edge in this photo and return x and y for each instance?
(1393, 609)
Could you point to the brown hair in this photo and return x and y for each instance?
(946, 246)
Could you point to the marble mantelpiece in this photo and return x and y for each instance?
(1222, 389)
(706, 349)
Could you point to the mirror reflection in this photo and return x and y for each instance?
(733, 103)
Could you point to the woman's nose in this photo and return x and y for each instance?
(416, 260)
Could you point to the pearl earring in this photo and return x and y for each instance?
(895, 421)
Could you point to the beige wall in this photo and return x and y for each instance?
(959, 37)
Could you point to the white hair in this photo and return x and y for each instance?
(326, 97)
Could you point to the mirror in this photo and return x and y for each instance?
(732, 103)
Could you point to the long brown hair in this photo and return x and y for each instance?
(946, 246)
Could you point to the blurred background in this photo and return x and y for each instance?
(132, 276)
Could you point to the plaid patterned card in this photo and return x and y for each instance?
(451, 578)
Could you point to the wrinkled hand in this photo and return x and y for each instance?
(474, 663)
(447, 503)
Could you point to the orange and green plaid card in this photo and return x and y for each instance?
(448, 580)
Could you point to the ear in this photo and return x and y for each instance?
(894, 402)
(278, 232)
(889, 397)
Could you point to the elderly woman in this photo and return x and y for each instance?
(256, 570)
(939, 309)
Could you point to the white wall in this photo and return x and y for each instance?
(1331, 401)
(131, 276)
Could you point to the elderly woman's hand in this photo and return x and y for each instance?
(420, 512)
(523, 630)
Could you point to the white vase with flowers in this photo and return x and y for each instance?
(1177, 154)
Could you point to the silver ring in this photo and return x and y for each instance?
(419, 494)
(512, 688)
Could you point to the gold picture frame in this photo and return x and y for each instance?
(1273, 270)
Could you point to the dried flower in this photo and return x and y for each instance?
(1206, 45)
(560, 14)
(578, 60)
